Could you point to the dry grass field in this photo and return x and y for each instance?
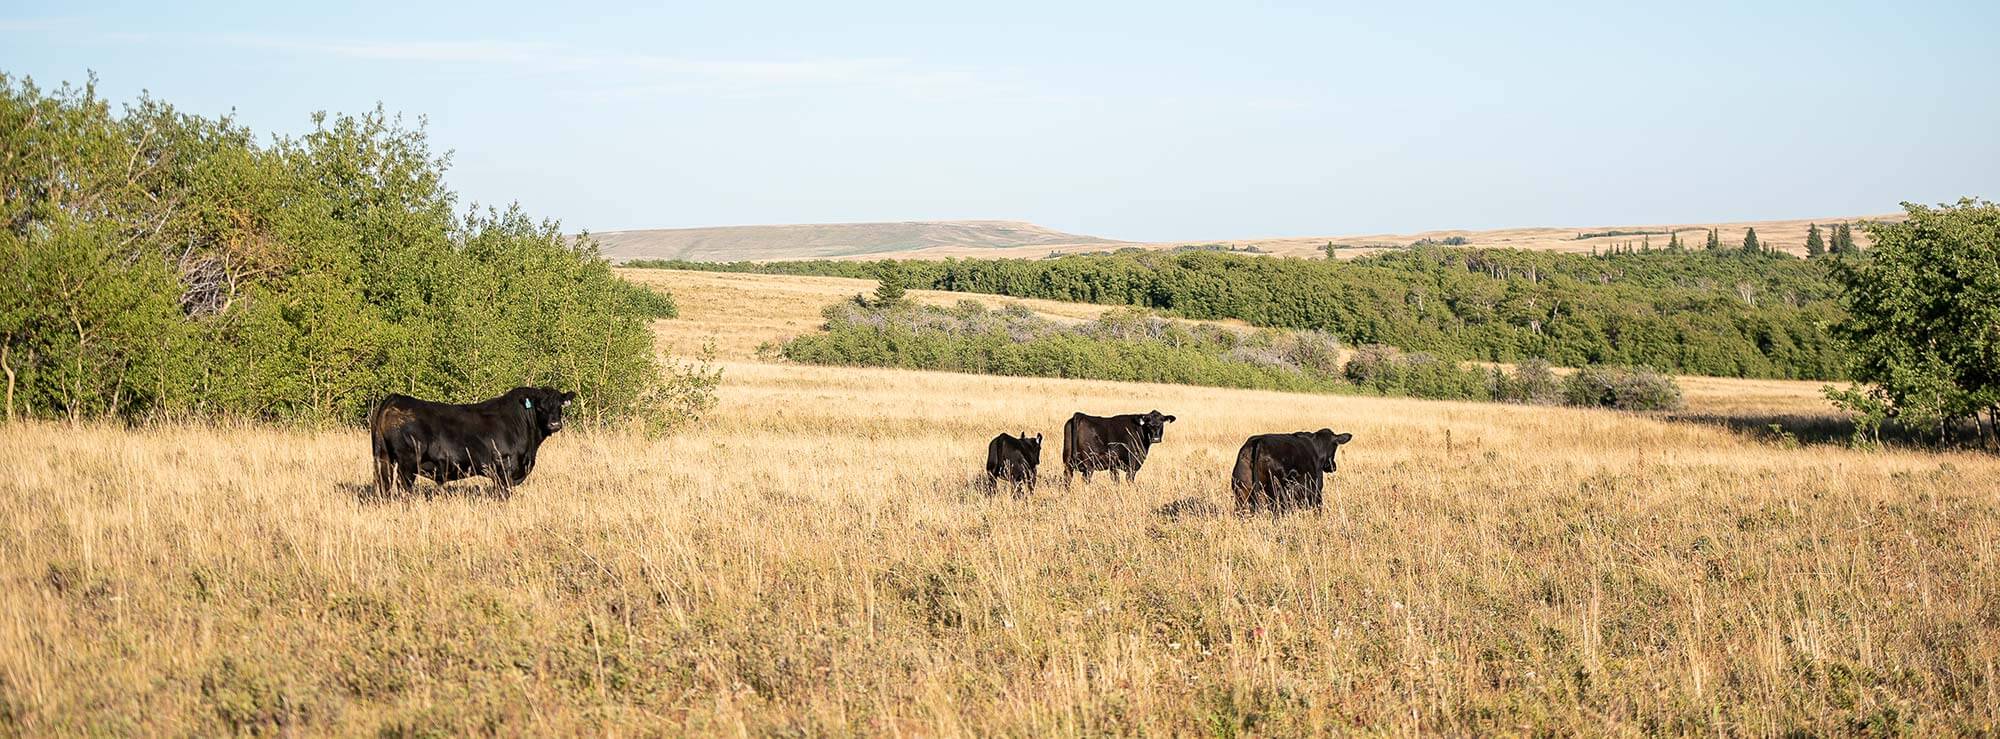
(814, 559)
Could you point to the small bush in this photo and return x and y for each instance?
(1534, 382)
(1634, 389)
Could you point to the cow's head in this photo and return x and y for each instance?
(545, 405)
(1032, 448)
(1153, 426)
(1326, 444)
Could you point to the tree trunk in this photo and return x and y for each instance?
(8, 366)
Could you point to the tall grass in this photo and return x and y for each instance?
(814, 560)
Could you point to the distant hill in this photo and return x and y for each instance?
(1782, 235)
(822, 240)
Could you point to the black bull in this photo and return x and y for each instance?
(496, 439)
(1282, 472)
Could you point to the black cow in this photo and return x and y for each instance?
(496, 439)
(1013, 460)
(1114, 444)
(1281, 472)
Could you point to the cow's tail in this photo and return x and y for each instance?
(1240, 479)
(1267, 493)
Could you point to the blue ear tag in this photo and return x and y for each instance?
(527, 402)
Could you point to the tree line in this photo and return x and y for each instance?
(1132, 345)
(159, 264)
(1732, 313)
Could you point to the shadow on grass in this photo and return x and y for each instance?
(425, 490)
(1780, 427)
(1799, 429)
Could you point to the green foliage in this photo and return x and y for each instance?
(1718, 312)
(1815, 243)
(1923, 316)
(1714, 241)
(156, 263)
(1750, 241)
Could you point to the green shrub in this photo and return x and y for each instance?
(1635, 389)
(1534, 382)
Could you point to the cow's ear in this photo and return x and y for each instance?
(567, 397)
(1343, 438)
(1168, 419)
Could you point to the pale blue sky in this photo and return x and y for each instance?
(1136, 121)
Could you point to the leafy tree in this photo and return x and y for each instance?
(157, 264)
(1815, 245)
(1750, 241)
(1922, 311)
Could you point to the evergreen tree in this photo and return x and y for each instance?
(890, 284)
(1750, 241)
(1714, 240)
(1843, 239)
(1674, 241)
(1815, 246)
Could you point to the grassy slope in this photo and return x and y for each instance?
(813, 559)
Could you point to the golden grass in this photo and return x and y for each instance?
(814, 560)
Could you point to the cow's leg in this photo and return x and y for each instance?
(1031, 479)
(385, 476)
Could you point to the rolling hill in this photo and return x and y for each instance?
(1022, 240)
(822, 240)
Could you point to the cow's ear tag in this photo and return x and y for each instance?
(527, 402)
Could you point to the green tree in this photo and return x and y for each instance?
(1750, 241)
(1922, 308)
(154, 263)
(1714, 241)
(1815, 245)
(890, 283)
